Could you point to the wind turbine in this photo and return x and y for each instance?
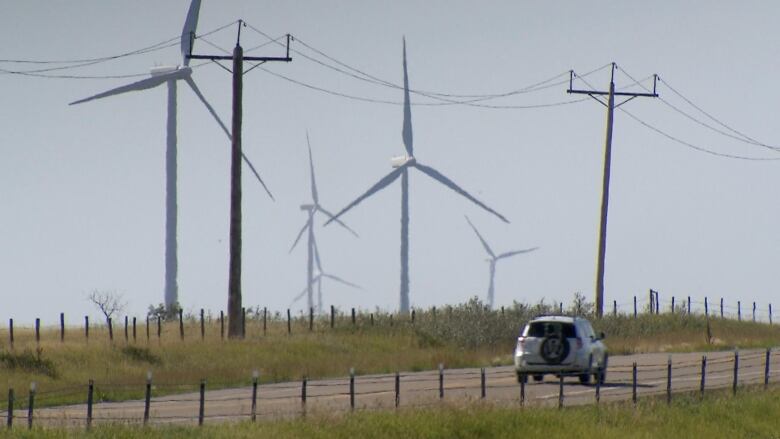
(318, 280)
(494, 259)
(169, 75)
(402, 166)
(312, 210)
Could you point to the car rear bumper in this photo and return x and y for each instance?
(578, 364)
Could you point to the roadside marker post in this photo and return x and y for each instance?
(441, 380)
(560, 392)
(736, 372)
(202, 408)
(669, 380)
(397, 389)
(703, 374)
(255, 377)
(90, 399)
(147, 396)
(766, 368)
(482, 382)
(633, 384)
(352, 388)
(31, 405)
(10, 421)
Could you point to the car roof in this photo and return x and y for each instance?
(563, 319)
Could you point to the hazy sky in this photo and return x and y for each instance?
(83, 187)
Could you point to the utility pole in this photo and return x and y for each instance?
(610, 104)
(234, 279)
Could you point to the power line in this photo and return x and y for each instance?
(686, 143)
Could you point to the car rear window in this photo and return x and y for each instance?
(543, 329)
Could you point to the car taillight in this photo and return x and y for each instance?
(520, 341)
(579, 343)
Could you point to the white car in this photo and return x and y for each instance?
(561, 346)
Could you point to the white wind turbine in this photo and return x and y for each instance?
(493, 260)
(312, 209)
(402, 165)
(317, 278)
(169, 76)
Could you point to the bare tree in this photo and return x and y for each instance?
(108, 302)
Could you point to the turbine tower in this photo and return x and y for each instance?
(402, 166)
(493, 260)
(318, 280)
(169, 76)
(311, 210)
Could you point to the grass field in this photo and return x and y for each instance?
(752, 414)
(461, 336)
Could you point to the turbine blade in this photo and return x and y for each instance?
(298, 238)
(338, 279)
(188, 31)
(484, 243)
(202, 98)
(381, 184)
(516, 252)
(407, 128)
(314, 194)
(143, 84)
(338, 221)
(436, 175)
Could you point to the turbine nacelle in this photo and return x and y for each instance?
(162, 70)
(402, 160)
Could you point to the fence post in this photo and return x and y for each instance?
(689, 305)
(652, 301)
(560, 392)
(441, 380)
(181, 323)
(634, 306)
(62, 327)
(397, 389)
(222, 324)
(754, 311)
(10, 420)
(243, 323)
(482, 382)
(703, 374)
(159, 328)
(255, 376)
(706, 307)
(614, 308)
(522, 392)
(311, 319)
(372, 319)
(672, 308)
(770, 313)
(561, 308)
(332, 316)
(599, 378)
(90, 399)
(202, 409)
(37, 330)
(766, 368)
(86, 329)
(147, 328)
(31, 405)
(265, 319)
(669, 380)
(202, 325)
(736, 372)
(110, 330)
(148, 396)
(413, 312)
(11, 332)
(353, 316)
(303, 395)
(739, 310)
(721, 307)
(633, 383)
(352, 388)
(289, 322)
(127, 336)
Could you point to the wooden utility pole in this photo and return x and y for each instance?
(235, 329)
(610, 104)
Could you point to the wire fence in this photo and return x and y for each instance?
(633, 377)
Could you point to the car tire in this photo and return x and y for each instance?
(538, 377)
(522, 377)
(584, 378)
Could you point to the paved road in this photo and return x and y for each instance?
(283, 400)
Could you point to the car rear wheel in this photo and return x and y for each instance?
(584, 378)
(522, 377)
(538, 377)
